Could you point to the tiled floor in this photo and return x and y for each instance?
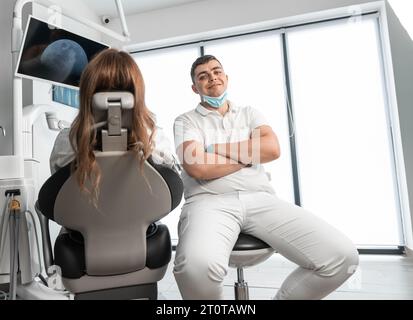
(378, 277)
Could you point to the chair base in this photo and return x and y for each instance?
(144, 292)
(241, 287)
(241, 291)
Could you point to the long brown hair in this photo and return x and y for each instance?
(110, 70)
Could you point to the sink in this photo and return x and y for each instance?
(11, 167)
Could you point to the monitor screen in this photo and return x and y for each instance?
(55, 55)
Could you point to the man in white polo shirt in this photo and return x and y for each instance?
(222, 147)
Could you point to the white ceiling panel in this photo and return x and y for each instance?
(108, 7)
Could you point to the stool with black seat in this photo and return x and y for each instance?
(248, 251)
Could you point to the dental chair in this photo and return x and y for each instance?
(248, 251)
(117, 249)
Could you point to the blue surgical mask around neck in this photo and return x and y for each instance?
(215, 102)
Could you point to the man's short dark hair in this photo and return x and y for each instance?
(200, 61)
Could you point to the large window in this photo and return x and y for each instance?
(168, 83)
(343, 137)
(337, 155)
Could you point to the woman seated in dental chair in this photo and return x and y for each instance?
(113, 177)
(111, 70)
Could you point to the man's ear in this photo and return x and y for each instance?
(194, 89)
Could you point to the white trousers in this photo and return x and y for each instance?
(209, 227)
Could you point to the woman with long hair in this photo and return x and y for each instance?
(110, 70)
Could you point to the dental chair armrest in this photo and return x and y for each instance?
(46, 243)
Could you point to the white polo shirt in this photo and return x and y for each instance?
(210, 127)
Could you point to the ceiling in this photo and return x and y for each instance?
(108, 7)
(403, 8)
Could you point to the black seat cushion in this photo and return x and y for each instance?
(70, 253)
(248, 242)
(50, 189)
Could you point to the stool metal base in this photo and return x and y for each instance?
(241, 291)
(241, 287)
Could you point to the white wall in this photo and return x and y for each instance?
(404, 11)
(402, 54)
(78, 7)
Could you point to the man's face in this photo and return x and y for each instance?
(210, 79)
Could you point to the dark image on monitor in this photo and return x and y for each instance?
(54, 54)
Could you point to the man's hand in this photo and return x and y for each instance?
(262, 147)
(205, 166)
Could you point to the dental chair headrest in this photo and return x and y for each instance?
(104, 100)
(113, 114)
